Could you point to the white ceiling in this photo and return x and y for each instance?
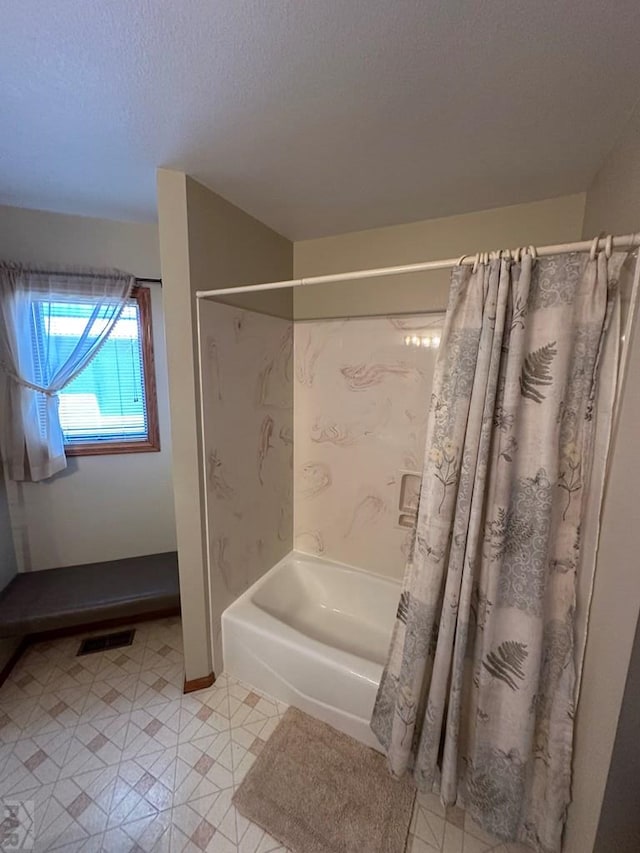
(316, 116)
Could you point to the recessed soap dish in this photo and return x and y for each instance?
(408, 498)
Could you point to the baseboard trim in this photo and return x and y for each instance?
(199, 683)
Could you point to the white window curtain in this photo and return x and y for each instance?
(34, 370)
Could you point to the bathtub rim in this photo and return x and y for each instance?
(295, 554)
(261, 622)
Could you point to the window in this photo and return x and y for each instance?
(111, 406)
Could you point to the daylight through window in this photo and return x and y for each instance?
(110, 407)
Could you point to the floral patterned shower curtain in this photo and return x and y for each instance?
(478, 692)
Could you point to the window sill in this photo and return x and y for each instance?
(110, 448)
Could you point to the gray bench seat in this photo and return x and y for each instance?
(56, 599)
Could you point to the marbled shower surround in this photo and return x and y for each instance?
(247, 365)
(309, 432)
(360, 414)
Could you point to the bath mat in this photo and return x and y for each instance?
(318, 791)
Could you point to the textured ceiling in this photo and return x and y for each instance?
(316, 116)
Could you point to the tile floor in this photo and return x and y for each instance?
(115, 757)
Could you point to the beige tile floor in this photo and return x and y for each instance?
(115, 757)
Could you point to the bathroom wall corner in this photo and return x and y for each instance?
(205, 243)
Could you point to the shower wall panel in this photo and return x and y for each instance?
(362, 393)
(248, 444)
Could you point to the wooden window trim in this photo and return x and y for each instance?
(142, 295)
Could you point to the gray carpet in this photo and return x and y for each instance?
(318, 791)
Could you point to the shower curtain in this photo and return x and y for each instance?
(478, 693)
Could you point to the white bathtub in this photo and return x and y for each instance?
(314, 634)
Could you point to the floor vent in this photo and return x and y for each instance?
(106, 641)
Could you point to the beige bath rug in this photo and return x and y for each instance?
(318, 791)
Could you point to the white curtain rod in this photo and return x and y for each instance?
(629, 241)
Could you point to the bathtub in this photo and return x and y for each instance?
(315, 634)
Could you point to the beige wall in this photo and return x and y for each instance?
(8, 566)
(40, 237)
(543, 222)
(205, 243)
(613, 206)
(619, 827)
(181, 371)
(613, 200)
(100, 508)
